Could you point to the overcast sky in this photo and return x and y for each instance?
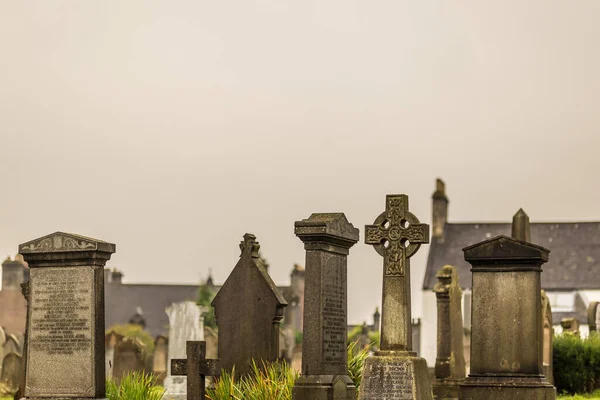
(171, 128)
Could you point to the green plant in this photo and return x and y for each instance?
(134, 386)
(134, 331)
(205, 297)
(576, 363)
(356, 363)
(298, 337)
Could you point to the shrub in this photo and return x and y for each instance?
(134, 386)
(576, 363)
(134, 331)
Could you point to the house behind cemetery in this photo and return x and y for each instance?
(570, 278)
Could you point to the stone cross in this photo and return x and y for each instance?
(396, 235)
(196, 367)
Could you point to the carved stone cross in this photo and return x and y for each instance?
(197, 368)
(396, 235)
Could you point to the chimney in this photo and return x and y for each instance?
(440, 209)
(116, 277)
(376, 320)
(13, 273)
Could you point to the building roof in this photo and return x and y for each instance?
(574, 252)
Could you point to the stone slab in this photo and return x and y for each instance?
(324, 387)
(60, 354)
(507, 388)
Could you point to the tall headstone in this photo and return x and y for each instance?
(160, 357)
(248, 308)
(506, 329)
(327, 240)
(111, 340)
(186, 322)
(450, 361)
(395, 372)
(548, 335)
(64, 342)
(12, 370)
(130, 357)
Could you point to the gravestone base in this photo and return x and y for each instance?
(395, 375)
(446, 389)
(324, 387)
(507, 388)
(175, 388)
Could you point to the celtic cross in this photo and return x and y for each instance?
(396, 234)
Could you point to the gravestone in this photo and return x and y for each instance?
(111, 341)
(196, 367)
(186, 322)
(506, 329)
(450, 361)
(129, 357)
(65, 316)
(248, 309)
(570, 326)
(2, 342)
(12, 370)
(395, 372)
(593, 317)
(212, 342)
(548, 334)
(160, 357)
(327, 240)
(12, 345)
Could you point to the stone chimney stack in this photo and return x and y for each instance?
(116, 277)
(440, 209)
(14, 273)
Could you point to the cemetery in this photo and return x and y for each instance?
(300, 200)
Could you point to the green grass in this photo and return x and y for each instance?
(588, 396)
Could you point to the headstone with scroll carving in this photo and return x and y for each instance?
(64, 343)
(327, 240)
(248, 308)
(395, 372)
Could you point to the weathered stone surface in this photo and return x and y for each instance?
(327, 240)
(396, 235)
(248, 308)
(64, 345)
(570, 325)
(450, 361)
(593, 316)
(130, 356)
(111, 341)
(548, 334)
(506, 330)
(196, 367)
(160, 358)
(12, 370)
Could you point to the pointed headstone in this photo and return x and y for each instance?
(395, 372)
(160, 358)
(64, 342)
(249, 308)
(327, 240)
(506, 329)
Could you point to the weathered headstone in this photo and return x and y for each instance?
(130, 356)
(570, 325)
(65, 316)
(547, 352)
(196, 367)
(395, 372)
(450, 361)
(327, 240)
(248, 308)
(593, 314)
(506, 329)
(185, 323)
(2, 342)
(111, 340)
(160, 357)
(12, 345)
(12, 370)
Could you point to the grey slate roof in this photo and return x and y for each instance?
(122, 300)
(574, 262)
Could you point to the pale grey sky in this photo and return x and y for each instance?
(171, 128)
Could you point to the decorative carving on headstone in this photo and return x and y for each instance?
(395, 372)
(327, 239)
(506, 358)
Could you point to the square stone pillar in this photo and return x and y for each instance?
(64, 340)
(506, 329)
(327, 239)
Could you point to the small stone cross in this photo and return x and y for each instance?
(396, 234)
(197, 368)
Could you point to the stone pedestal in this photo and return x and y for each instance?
(327, 239)
(506, 333)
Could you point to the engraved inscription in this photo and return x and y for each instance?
(60, 331)
(334, 314)
(388, 380)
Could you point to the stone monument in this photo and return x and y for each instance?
(248, 309)
(129, 357)
(327, 240)
(12, 370)
(160, 358)
(570, 326)
(64, 342)
(395, 372)
(112, 338)
(593, 316)
(196, 367)
(548, 335)
(186, 322)
(450, 360)
(506, 328)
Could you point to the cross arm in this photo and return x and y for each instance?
(207, 367)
